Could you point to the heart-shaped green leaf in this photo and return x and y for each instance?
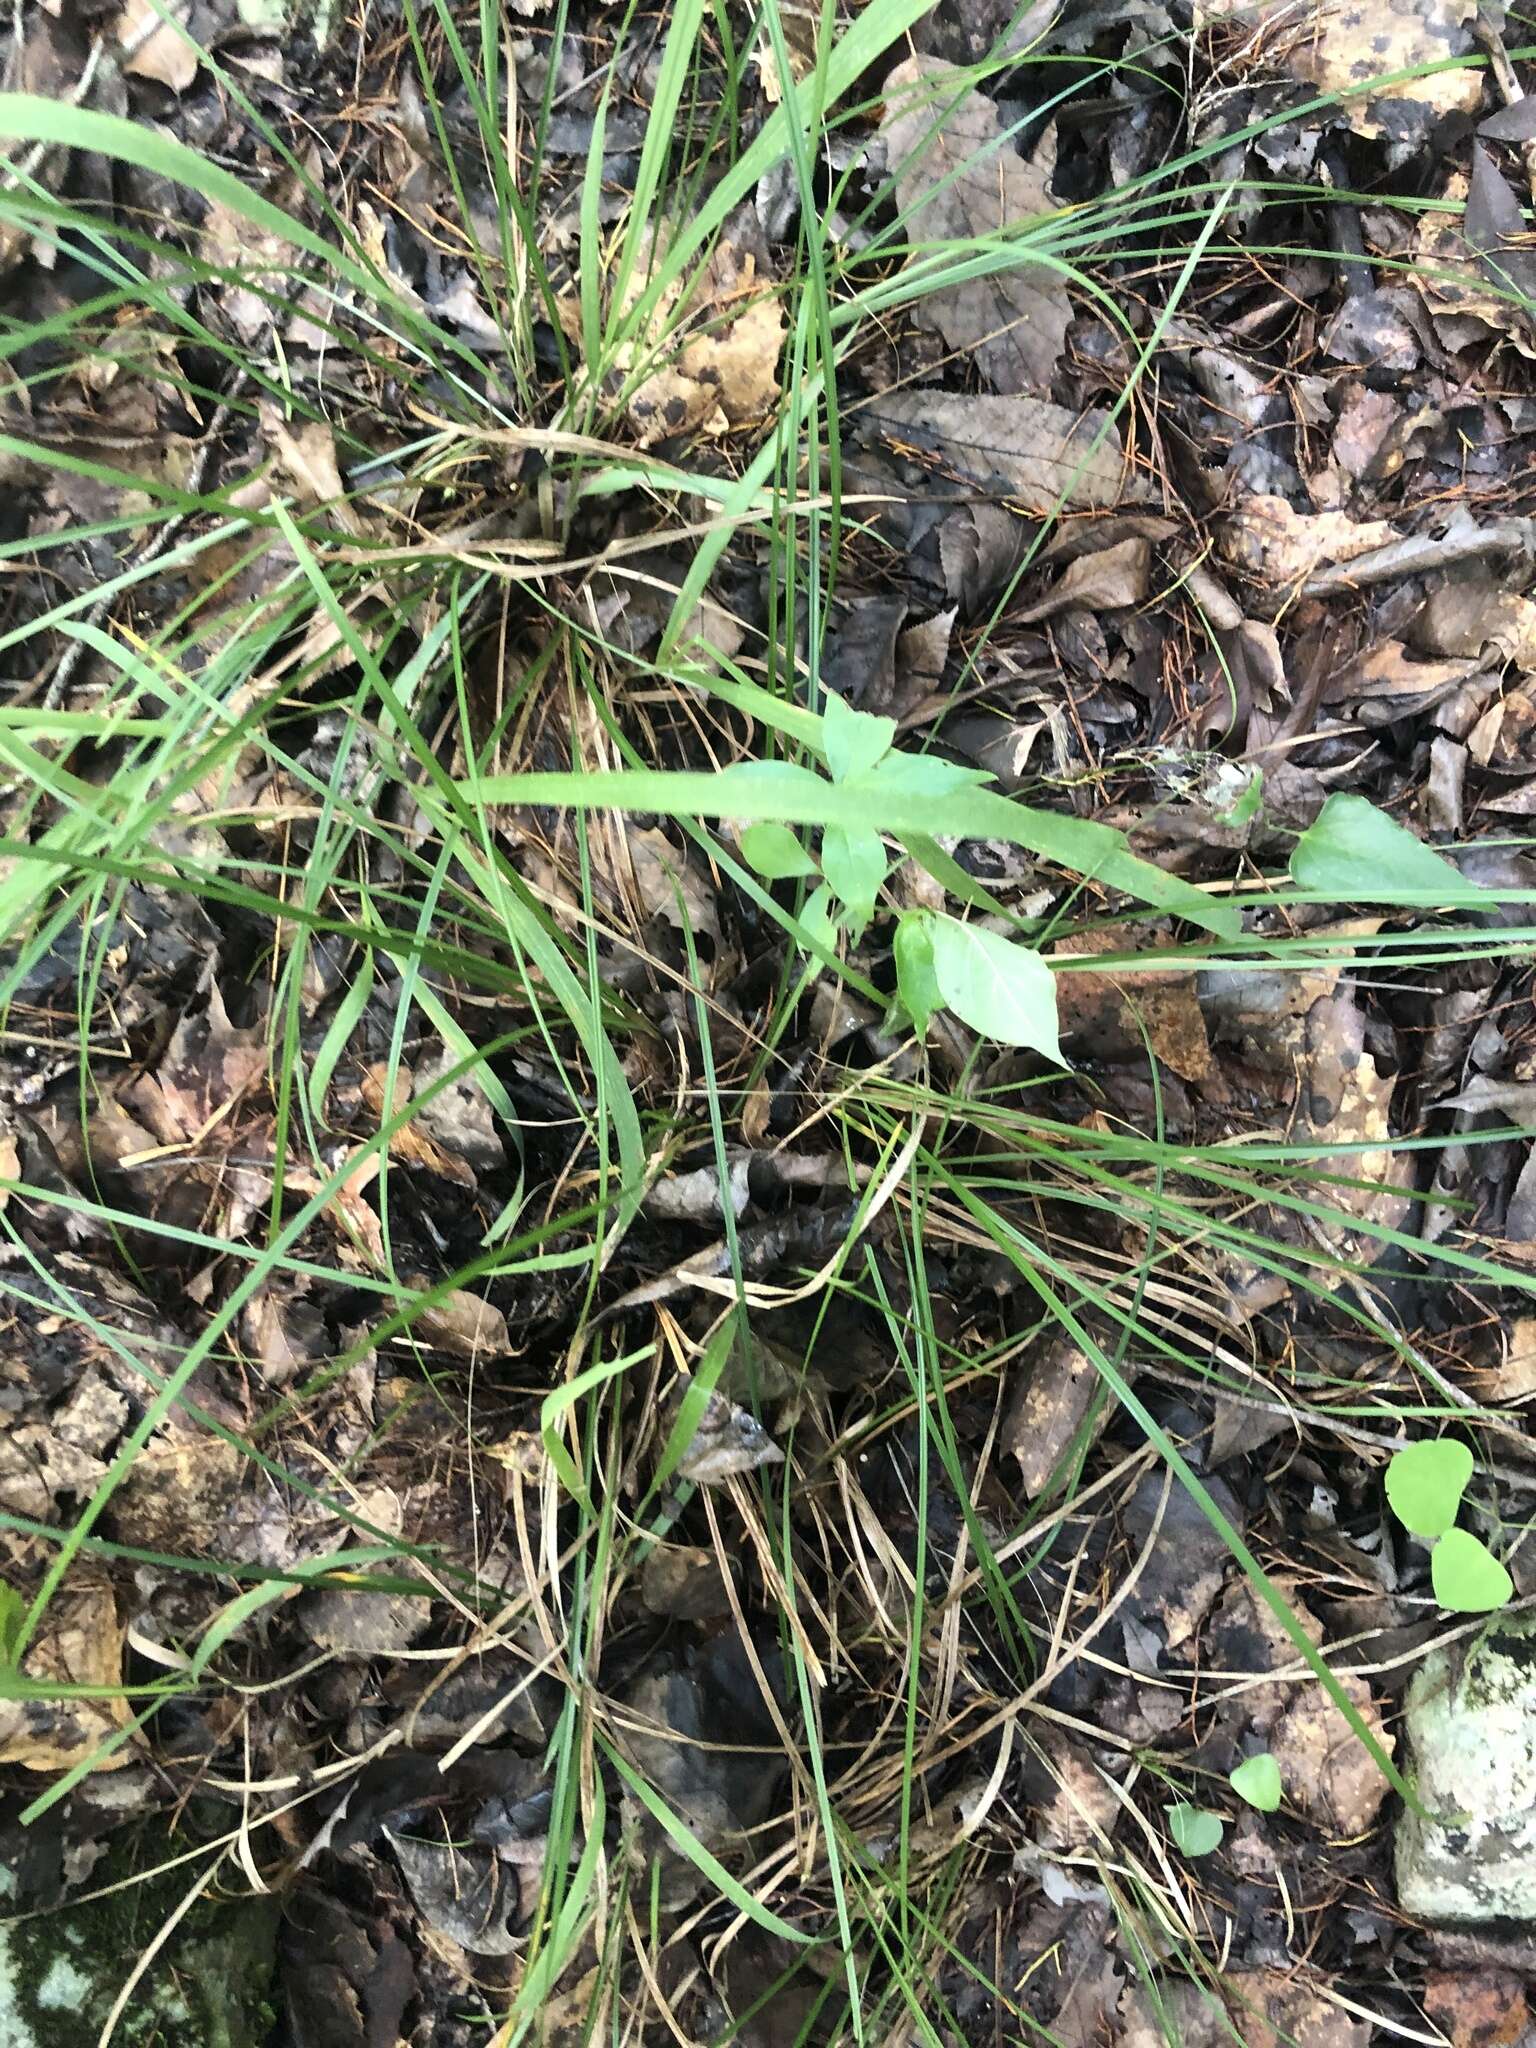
(1194, 1831)
(998, 988)
(1258, 1781)
(1425, 1483)
(1467, 1577)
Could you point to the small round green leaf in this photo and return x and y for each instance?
(1467, 1577)
(1258, 1781)
(775, 852)
(1000, 989)
(1194, 1831)
(1425, 1483)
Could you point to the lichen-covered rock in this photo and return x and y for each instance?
(208, 1987)
(1471, 1723)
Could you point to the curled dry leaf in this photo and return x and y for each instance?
(959, 178)
(1451, 274)
(728, 1440)
(155, 48)
(465, 1325)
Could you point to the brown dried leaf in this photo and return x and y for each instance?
(1513, 1378)
(1327, 1770)
(80, 1643)
(684, 1583)
(410, 1144)
(1276, 545)
(1469, 618)
(1080, 1809)
(956, 180)
(1047, 1412)
(1026, 449)
(465, 1325)
(1113, 1016)
(158, 52)
(1108, 581)
(721, 345)
(1477, 2008)
(1347, 44)
(1281, 2009)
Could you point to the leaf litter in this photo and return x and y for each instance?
(316, 1220)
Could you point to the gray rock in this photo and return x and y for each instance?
(1471, 1725)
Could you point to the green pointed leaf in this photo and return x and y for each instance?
(13, 1615)
(920, 775)
(1357, 854)
(854, 865)
(853, 741)
(775, 852)
(1425, 1483)
(1258, 1781)
(1195, 1832)
(916, 983)
(1003, 990)
(1467, 1577)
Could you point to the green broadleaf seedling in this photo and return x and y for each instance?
(855, 865)
(917, 985)
(1195, 1832)
(1257, 1780)
(853, 741)
(775, 852)
(998, 987)
(1425, 1483)
(1354, 853)
(13, 1615)
(1466, 1576)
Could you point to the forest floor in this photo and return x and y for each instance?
(766, 941)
